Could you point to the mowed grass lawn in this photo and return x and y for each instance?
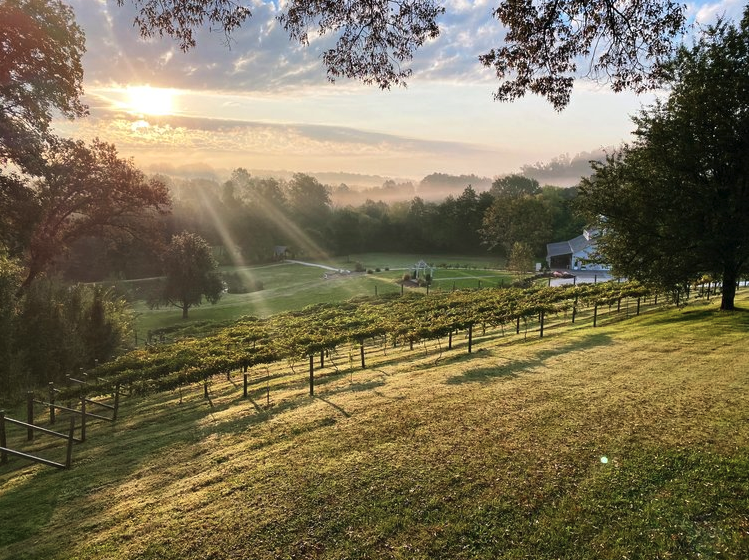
(630, 440)
(290, 286)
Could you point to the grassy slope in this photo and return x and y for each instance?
(493, 455)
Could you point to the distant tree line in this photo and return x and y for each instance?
(250, 220)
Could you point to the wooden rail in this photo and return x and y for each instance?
(30, 401)
(5, 450)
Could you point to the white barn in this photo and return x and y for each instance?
(574, 254)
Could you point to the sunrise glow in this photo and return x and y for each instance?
(146, 100)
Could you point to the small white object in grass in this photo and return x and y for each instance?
(604, 459)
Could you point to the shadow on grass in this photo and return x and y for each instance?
(728, 321)
(511, 369)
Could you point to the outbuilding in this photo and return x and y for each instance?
(575, 254)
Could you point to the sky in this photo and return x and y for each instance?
(261, 101)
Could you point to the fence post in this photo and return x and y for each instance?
(3, 442)
(541, 322)
(595, 314)
(470, 338)
(322, 358)
(116, 401)
(361, 353)
(517, 325)
(51, 402)
(205, 388)
(311, 375)
(574, 310)
(244, 390)
(71, 434)
(83, 418)
(450, 340)
(30, 415)
(638, 306)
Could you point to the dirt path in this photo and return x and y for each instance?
(323, 266)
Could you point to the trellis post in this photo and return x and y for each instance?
(311, 375)
(541, 323)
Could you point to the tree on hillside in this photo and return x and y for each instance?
(675, 204)
(517, 214)
(191, 274)
(623, 42)
(82, 191)
(521, 259)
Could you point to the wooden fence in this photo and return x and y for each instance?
(33, 428)
(5, 450)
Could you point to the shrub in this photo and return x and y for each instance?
(237, 284)
(406, 277)
(358, 267)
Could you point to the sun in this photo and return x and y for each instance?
(146, 100)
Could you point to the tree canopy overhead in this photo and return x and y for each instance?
(546, 46)
(675, 204)
(40, 71)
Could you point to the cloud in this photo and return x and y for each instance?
(707, 13)
(175, 139)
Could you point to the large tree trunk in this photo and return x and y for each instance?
(184, 311)
(729, 288)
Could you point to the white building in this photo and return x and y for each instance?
(574, 254)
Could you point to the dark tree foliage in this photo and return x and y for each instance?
(56, 329)
(190, 274)
(40, 71)
(675, 205)
(83, 191)
(523, 219)
(514, 186)
(624, 42)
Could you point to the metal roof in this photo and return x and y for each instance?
(568, 247)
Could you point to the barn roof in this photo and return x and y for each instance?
(568, 247)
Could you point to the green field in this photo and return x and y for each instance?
(294, 286)
(425, 454)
